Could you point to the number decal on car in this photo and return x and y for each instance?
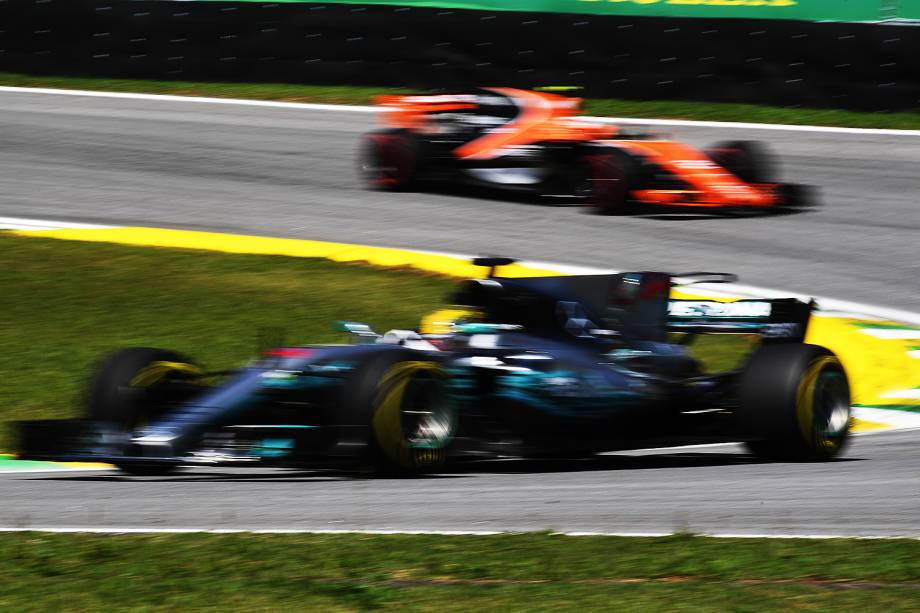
(695, 164)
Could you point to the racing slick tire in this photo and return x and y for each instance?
(130, 388)
(795, 197)
(795, 403)
(606, 180)
(391, 159)
(400, 399)
(748, 160)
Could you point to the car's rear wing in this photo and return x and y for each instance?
(412, 112)
(637, 305)
(641, 303)
(778, 319)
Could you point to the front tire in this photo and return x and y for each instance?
(797, 197)
(401, 401)
(748, 160)
(131, 388)
(795, 403)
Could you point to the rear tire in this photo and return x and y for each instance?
(606, 180)
(748, 160)
(401, 401)
(128, 390)
(390, 160)
(795, 403)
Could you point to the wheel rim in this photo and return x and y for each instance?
(832, 408)
(414, 420)
(824, 404)
(425, 415)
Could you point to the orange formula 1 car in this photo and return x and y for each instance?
(534, 141)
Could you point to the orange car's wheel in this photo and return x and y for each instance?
(796, 197)
(750, 161)
(605, 181)
(390, 160)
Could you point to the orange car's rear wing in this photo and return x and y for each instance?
(539, 116)
(411, 111)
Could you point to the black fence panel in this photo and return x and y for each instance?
(841, 65)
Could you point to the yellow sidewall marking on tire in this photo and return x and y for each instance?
(805, 402)
(155, 372)
(387, 420)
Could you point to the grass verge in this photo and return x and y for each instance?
(333, 94)
(72, 303)
(527, 572)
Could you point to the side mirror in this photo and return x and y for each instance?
(492, 263)
(362, 333)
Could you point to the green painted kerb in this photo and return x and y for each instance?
(909, 408)
(807, 10)
(880, 325)
(9, 463)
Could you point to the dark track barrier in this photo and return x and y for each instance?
(782, 62)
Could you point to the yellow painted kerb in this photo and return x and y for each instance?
(262, 245)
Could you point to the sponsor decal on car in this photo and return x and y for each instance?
(705, 308)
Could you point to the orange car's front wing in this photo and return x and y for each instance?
(758, 196)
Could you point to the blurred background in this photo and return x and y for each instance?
(854, 54)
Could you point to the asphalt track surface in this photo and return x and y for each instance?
(872, 491)
(285, 172)
(291, 172)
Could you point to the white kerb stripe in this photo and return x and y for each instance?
(18, 223)
(192, 99)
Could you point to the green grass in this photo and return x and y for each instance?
(528, 572)
(651, 109)
(68, 304)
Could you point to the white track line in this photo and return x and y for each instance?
(131, 530)
(755, 126)
(897, 420)
(196, 99)
(373, 109)
(911, 394)
(18, 223)
(66, 469)
(894, 334)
